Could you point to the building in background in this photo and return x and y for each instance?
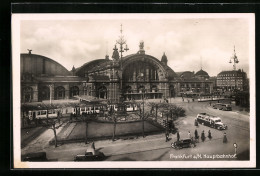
(232, 80)
(131, 77)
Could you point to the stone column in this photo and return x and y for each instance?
(67, 91)
(52, 91)
(134, 75)
(35, 93)
(147, 74)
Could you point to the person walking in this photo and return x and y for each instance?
(209, 135)
(210, 103)
(203, 136)
(196, 135)
(167, 135)
(178, 136)
(196, 122)
(225, 138)
(189, 135)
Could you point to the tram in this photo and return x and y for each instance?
(42, 114)
(89, 109)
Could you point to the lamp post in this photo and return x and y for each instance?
(143, 91)
(234, 58)
(235, 61)
(122, 48)
(235, 146)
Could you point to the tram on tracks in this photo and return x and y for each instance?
(43, 114)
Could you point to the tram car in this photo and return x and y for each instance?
(131, 107)
(42, 114)
(89, 109)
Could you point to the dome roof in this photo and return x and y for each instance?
(201, 73)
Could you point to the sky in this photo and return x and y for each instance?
(189, 43)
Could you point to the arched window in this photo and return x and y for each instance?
(44, 93)
(141, 89)
(171, 91)
(74, 91)
(59, 93)
(102, 92)
(154, 88)
(128, 89)
(27, 94)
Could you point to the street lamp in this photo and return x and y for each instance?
(122, 48)
(234, 58)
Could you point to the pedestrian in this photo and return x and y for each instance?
(167, 135)
(192, 99)
(70, 116)
(210, 103)
(189, 135)
(196, 135)
(225, 138)
(203, 136)
(196, 122)
(209, 135)
(178, 136)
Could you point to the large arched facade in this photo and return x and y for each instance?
(145, 75)
(132, 77)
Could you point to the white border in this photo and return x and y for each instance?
(17, 18)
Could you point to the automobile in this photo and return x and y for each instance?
(89, 156)
(184, 143)
(223, 107)
(211, 121)
(39, 156)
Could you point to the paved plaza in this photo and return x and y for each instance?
(154, 148)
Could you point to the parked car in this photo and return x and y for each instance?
(39, 156)
(184, 143)
(223, 107)
(98, 156)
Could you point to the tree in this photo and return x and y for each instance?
(86, 118)
(170, 110)
(143, 116)
(114, 118)
(154, 106)
(54, 124)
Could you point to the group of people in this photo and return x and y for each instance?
(196, 136)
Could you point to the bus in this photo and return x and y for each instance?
(210, 121)
(223, 107)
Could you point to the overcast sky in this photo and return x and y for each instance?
(188, 43)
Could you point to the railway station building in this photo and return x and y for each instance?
(131, 77)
